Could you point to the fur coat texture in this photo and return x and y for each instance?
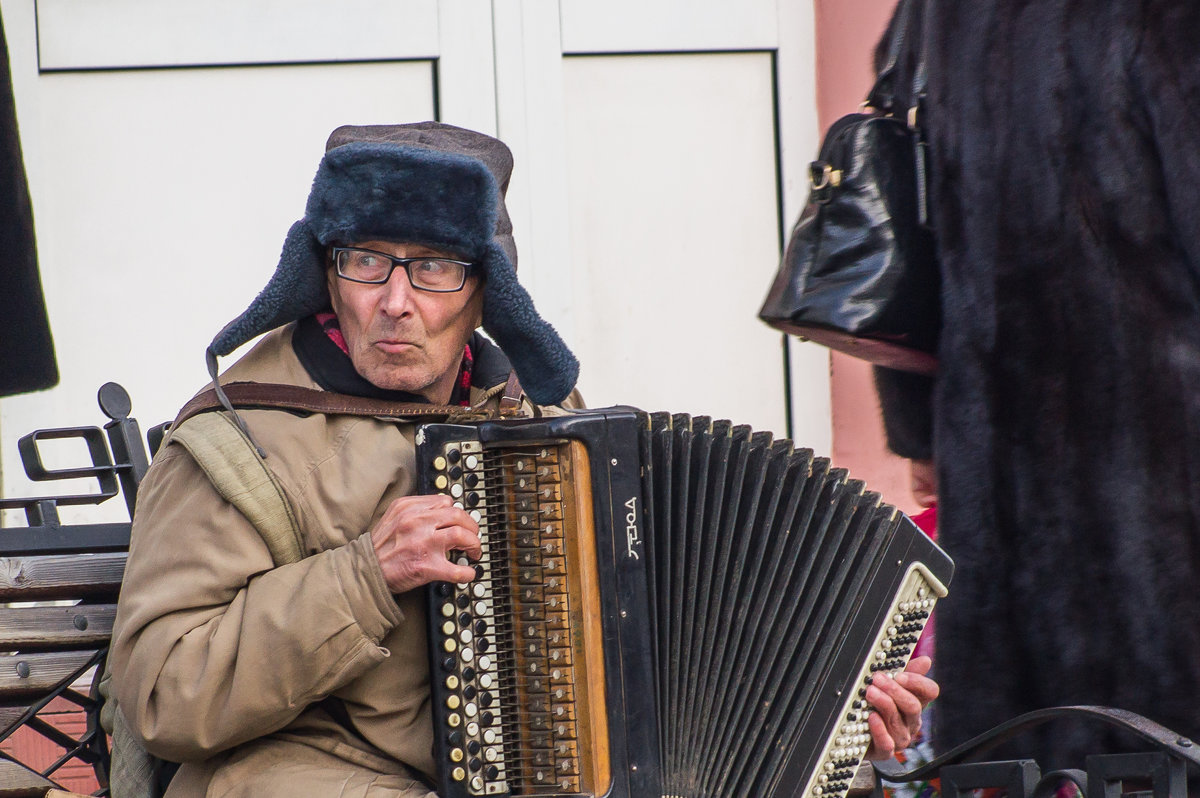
(26, 349)
(1066, 415)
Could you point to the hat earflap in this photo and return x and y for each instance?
(545, 365)
(296, 289)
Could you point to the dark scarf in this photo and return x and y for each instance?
(319, 345)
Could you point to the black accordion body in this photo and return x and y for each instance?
(666, 605)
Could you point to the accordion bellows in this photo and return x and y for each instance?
(666, 605)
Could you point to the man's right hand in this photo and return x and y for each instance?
(414, 537)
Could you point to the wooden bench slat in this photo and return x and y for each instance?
(24, 628)
(45, 671)
(60, 576)
(11, 714)
(17, 781)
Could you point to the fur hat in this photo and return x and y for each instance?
(424, 183)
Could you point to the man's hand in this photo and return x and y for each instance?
(897, 705)
(414, 537)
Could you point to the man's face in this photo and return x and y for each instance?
(401, 338)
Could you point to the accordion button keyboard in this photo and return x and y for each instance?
(461, 475)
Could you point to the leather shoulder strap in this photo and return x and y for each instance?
(294, 397)
(240, 475)
(510, 402)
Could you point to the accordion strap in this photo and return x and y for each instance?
(1161, 737)
(294, 397)
(510, 401)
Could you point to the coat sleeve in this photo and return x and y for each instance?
(213, 645)
(906, 402)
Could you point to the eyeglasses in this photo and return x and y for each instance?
(440, 275)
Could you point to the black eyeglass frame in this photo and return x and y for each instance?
(469, 269)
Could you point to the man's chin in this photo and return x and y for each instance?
(397, 379)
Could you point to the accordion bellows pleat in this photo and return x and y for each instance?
(745, 589)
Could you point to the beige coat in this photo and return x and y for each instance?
(220, 659)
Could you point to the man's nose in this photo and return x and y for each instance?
(398, 293)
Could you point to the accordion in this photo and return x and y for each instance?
(665, 605)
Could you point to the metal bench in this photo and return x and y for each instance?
(58, 593)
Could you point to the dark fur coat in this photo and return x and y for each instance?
(26, 349)
(1066, 416)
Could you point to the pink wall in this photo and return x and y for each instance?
(847, 31)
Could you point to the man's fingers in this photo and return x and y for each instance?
(882, 744)
(919, 665)
(903, 699)
(416, 537)
(922, 687)
(899, 709)
(459, 574)
(459, 538)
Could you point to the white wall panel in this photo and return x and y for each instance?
(466, 64)
(530, 99)
(99, 34)
(674, 231)
(661, 25)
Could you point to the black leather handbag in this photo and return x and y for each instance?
(860, 272)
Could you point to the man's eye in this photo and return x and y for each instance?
(430, 267)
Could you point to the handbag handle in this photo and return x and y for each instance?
(883, 94)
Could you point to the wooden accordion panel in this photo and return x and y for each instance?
(665, 606)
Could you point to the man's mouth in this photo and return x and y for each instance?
(395, 345)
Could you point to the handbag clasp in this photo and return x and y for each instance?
(822, 176)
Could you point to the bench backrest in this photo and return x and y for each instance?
(58, 595)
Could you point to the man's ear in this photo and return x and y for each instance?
(475, 307)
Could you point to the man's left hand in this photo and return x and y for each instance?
(897, 703)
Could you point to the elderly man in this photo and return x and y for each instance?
(311, 678)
